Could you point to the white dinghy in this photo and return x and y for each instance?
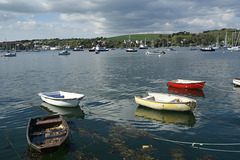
(62, 99)
(236, 81)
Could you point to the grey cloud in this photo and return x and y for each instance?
(113, 17)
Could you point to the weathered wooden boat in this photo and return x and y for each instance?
(236, 81)
(47, 133)
(162, 101)
(186, 84)
(62, 99)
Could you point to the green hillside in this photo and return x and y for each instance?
(134, 37)
(184, 38)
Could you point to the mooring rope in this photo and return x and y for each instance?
(10, 142)
(219, 88)
(198, 143)
(217, 120)
(217, 150)
(193, 145)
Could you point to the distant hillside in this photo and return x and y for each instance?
(134, 37)
(184, 38)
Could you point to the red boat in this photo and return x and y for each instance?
(186, 84)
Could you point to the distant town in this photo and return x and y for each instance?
(223, 37)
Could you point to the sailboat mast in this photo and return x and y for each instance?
(226, 42)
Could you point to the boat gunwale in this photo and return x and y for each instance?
(42, 94)
(154, 101)
(42, 148)
(238, 79)
(190, 105)
(186, 81)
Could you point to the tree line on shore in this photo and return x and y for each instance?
(184, 38)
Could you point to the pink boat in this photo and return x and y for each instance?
(186, 84)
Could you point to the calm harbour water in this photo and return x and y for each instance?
(108, 114)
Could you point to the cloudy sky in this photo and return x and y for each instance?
(37, 19)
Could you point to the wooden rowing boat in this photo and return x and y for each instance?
(186, 84)
(162, 101)
(236, 81)
(47, 133)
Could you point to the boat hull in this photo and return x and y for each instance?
(174, 102)
(207, 49)
(155, 52)
(61, 101)
(236, 81)
(46, 134)
(187, 84)
(65, 52)
(10, 55)
(131, 50)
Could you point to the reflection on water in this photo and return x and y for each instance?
(75, 112)
(61, 153)
(183, 118)
(188, 92)
(109, 81)
(236, 88)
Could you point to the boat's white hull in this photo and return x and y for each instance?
(154, 53)
(10, 55)
(169, 102)
(235, 48)
(65, 52)
(236, 81)
(131, 50)
(63, 102)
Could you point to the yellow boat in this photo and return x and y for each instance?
(162, 101)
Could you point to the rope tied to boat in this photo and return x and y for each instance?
(219, 88)
(197, 145)
(10, 142)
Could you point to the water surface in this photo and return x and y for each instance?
(108, 112)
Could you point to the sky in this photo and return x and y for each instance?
(41, 19)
